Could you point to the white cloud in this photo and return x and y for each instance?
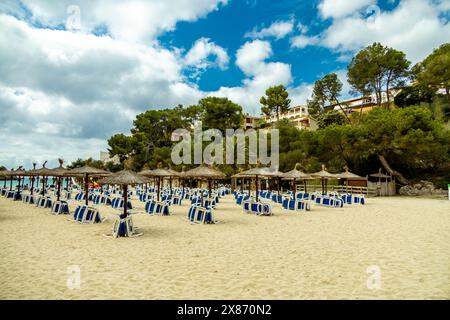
(252, 58)
(130, 20)
(414, 27)
(199, 55)
(278, 30)
(302, 41)
(341, 8)
(59, 85)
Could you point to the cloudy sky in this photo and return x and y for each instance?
(72, 73)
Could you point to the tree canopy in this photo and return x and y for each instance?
(378, 68)
(275, 101)
(434, 70)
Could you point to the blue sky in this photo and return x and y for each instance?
(75, 72)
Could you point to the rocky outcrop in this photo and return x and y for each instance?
(422, 188)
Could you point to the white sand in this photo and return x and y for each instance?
(320, 254)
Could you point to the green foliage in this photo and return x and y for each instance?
(121, 145)
(411, 140)
(434, 70)
(331, 117)
(219, 113)
(377, 68)
(87, 162)
(413, 96)
(275, 101)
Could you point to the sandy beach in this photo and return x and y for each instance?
(321, 254)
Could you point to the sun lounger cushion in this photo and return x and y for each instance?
(60, 207)
(85, 214)
(157, 207)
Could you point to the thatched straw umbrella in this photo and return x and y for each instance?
(158, 174)
(44, 172)
(4, 174)
(10, 174)
(59, 172)
(295, 175)
(347, 175)
(125, 178)
(175, 174)
(205, 172)
(31, 173)
(20, 173)
(262, 172)
(87, 172)
(240, 176)
(324, 176)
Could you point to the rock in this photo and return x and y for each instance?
(421, 188)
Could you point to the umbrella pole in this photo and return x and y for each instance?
(304, 183)
(159, 186)
(59, 188)
(86, 188)
(43, 186)
(10, 184)
(209, 188)
(323, 187)
(295, 187)
(32, 184)
(125, 200)
(170, 184)
(256, 187)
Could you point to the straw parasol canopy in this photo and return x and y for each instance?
(43, 172)
(205, 172)
(87, 171)
(295, 175)
(347, 175)
(158, 173)
(125, 178)
(265, 172)
(59, 172)
(324, 176)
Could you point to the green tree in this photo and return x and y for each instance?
(275, 101)
(219, 113)
(434, 70)
(86, 162)
(378, 68)
(121, 145)
(327, 91)
(331, 117)
(153, 129)
(413, 96)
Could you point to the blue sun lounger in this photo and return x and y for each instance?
(296, 205)
(124, 227)
(60, 207)
(117, 203)
(258, 208)
(156, 207)
(277, 198)
(197, 214)
(327, 201)
(80, 196)
(44, 202)
(85, 214)
(28, 199)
